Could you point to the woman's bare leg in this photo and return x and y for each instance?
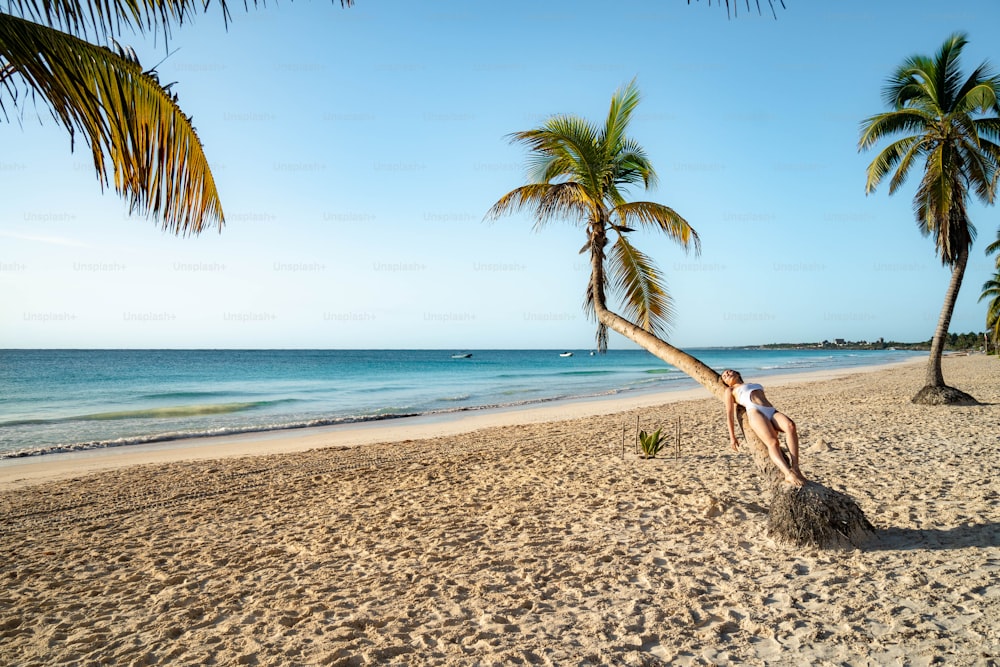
(765, 431)
(787, 426)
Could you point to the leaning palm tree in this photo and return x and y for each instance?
(135, 130)
(951, 124)
(581, 172)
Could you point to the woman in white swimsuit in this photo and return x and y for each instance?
(766, 421)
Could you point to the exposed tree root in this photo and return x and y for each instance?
(815, 515)
(943, 395)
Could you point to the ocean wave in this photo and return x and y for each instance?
(515, 376)
(654, 381)
(176, 411)
(165, 412)
(520, 391)
(591, 372)
(385, 412)
(166, 395)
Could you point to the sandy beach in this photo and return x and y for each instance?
(520, 537)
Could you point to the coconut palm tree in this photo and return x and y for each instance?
(131, 122)
(949, 123)
(581, 172)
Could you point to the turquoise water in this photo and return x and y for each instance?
(62, 400)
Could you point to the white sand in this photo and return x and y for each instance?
(529, 541)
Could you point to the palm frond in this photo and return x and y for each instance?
(994, 247)
(636, 281)
(106, 19)
(662, 219)
(892, 157)
(940, 204)
(891, 123)
(980, 163)
(991, 291)
(736, 6)
(913, 149)
(565, 147)
(913, 82)
(623, 103)
(948, 81)
(988, 129)
(979, 93)
(632, 165)
(991, 288)
(126, 116)
(934, 196)
(545, 202)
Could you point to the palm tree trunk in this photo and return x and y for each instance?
(935, 391)
(812, 515)
(681, 360)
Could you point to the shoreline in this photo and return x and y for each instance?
(18, 472)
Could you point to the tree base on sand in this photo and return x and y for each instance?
(812, 515)
(815, 515)
(943, 395)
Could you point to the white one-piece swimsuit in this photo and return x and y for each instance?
(742, 395)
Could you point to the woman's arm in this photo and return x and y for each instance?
(731, 419)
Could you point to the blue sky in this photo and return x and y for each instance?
(357, 151)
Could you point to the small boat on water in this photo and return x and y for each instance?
(463, 355)
(565, 354)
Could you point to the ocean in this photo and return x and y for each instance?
(66, 400)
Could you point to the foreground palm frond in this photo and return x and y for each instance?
(734, 8)
(132, 123)
(106, 19)
(126, 116)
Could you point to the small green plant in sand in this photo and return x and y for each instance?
(651, 443)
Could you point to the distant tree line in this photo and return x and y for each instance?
(966, 341)
(953, 342)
